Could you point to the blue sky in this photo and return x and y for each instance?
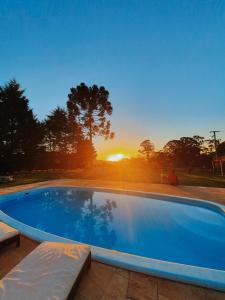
(162, 61)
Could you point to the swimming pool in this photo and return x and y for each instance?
(178, 238)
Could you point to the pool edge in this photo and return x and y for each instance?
(209, 278)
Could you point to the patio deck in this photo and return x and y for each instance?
(104, 282)
(207, 193)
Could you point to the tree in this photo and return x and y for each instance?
(221, 149)
(201, 143)
(20, 131)
(86, 153)
(184, 152)
(90, 107)
(146, 149)
(57, 131)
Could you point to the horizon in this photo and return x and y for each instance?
(158, 61)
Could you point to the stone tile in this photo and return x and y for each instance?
(78, 296)
(89, 290)
(95, 282)
(198, 293)
(123, 272)
(214, 295)
(117, 288)
(10, 256)
(108, 297)
(195, 292)
(171, 290)
(142, 287)
(161, 297)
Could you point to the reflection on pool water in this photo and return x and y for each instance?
(153, 228)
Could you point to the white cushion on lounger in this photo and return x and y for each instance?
(7, 232)
(48, 272)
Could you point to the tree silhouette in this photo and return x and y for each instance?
(90, 107)
(86, 153)
(20, 131)
(95, 221)
(221, 149)
(184, 152)
(91, 219)
(146, 149)
(57, 131)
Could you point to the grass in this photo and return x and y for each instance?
(119, 172)
(207, 180)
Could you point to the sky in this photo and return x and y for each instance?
(163, 62)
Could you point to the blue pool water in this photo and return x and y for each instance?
(160, 229)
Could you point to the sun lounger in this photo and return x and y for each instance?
(8, 235)
(51, 271)
(5, 179)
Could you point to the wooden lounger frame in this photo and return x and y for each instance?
(14, 239)
(85, 267)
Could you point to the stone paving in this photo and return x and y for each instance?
(104, 282)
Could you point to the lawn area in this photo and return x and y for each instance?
(204, 179)
(118, 172)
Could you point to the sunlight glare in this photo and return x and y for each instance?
(116, 157)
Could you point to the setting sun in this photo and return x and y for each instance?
(116, 157)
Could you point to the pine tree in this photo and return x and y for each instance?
(57, 131)
(90, 106)
(20, 131)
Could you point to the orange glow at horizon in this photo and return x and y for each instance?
(122, 152)
(117, 157)
(105, 149)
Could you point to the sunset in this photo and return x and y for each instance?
(117, 157)
(112, 150)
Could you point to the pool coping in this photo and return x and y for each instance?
(205, 277)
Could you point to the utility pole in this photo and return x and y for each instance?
(214, 132)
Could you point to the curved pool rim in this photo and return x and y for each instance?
(205, 277)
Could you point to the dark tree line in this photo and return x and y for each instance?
(63, 140)
(186, 152)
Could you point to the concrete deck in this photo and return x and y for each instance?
(104, 282)
(207, 193)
